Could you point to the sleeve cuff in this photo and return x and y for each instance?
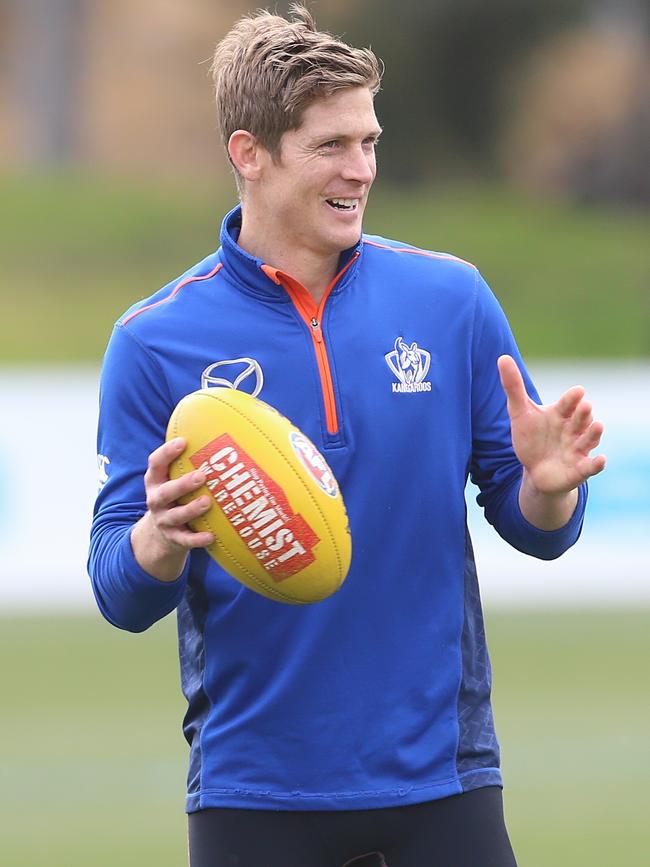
(139, 600)
(547, 544)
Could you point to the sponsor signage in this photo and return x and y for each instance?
(257, 508)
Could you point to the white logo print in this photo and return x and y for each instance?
(410, 365)
(102, 464)
(232, 377)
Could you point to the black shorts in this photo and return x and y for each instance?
(465, 830)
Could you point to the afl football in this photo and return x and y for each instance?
(277, 513)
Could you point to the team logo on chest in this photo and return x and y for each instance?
(410, 364)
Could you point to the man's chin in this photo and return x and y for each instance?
(345, 237)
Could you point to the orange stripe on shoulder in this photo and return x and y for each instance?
(173, 293)
(416, 252)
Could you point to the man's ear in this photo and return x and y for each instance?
(245, 153)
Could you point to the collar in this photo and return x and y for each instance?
(254, 275)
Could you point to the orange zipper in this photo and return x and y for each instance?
(312, 314)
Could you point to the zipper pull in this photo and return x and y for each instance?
(315, 324)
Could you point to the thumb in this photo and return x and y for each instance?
(513, 385)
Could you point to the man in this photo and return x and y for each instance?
(360, 724)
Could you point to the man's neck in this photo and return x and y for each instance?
(315, 272)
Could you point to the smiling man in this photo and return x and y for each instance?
(305, 204)
(361, 724)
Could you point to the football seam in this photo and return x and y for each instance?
(257, 582)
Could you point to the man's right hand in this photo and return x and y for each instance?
(162, 539)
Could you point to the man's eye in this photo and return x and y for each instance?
(329, 145)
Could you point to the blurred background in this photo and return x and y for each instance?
(517, 135)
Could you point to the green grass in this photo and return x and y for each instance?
(77, 251)
(573, 709)
(93, 763)
(91, 755)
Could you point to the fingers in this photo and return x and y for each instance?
(588, 441)
(161, 458)
(179, 516)
(590, 438)
(589, 467)
(568, 403)
(598, 464)
(513, 385)
(581, 418)
(162, 491)
(168, 501)
(172, 520)
(185, 537)
(165, 494)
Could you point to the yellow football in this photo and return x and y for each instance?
(277, 513)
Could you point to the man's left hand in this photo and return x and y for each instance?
(553, 444)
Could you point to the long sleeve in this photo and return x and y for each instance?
(494, 467)
(134, 407)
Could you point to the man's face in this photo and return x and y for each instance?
(316, 192)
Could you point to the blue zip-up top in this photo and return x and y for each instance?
(379, 695)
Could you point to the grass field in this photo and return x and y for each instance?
(77, 251)
(93, 763)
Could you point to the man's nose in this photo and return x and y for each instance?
(359, 165)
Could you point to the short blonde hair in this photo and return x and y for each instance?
(268, 69)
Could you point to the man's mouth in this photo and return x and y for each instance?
(343, 204)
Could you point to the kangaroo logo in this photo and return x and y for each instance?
(410, 365)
